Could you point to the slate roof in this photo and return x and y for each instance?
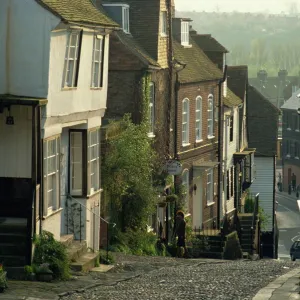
(207, 43)
(78, 11)
(231, 99)
(293, 103)
(136, 48)
(262, 123)
(237, 80)
(198, 66)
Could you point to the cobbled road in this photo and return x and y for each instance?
(193, 279)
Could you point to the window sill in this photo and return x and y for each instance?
(210, 204)
(210, 137)
(186, 46)
(69, 88)
(186, 145)
(199, 141)
(94, 193)
(96, 88)
(289, 129)
(52, 213)
(151, 135)
(163, 35)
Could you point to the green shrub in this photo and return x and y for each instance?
(48, 250)
(232, 249)
(28, 270)
(104, 258)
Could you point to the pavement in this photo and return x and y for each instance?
(285, 287)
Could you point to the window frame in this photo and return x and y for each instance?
(210, 186)
(198, 119)
(75, 59)
(231, 129)
(185, 132)
(125, 21)
(151, 108)
(231, 181)
(100, 61)
(55, 201)
(210, 116)
(163, 23)
(185, 33)
(93, 161)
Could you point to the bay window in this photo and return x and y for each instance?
(97, 66)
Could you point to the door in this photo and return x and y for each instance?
(197, 202)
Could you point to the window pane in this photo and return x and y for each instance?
(73, 39)
(51, 182)
(76, 161)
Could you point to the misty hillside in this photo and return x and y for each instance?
(260, 41)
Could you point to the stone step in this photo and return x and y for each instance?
(16, 273)
(15, 238)
(12, 248)
(12, 260)
(67, 239)
(13, 225)
(85, 263)
(76, 250)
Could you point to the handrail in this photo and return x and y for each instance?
(255, 211)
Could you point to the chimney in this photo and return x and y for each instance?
(262, 75)
(192, 30)
(282, 74)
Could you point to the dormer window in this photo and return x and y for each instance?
(119, 12)
(185, 40)
(163, 24)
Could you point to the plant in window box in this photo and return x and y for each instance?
(3, 280)
(43, 273)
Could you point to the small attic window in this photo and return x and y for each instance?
(185, 35)
(119, 12)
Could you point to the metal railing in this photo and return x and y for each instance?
(69, 197)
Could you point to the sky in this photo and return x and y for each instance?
(271, 6)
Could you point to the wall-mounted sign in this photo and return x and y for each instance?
(173, 167)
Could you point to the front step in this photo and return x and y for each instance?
(76, 250)
(85, 263)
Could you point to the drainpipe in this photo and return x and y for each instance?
(41, 208)
(220, 149)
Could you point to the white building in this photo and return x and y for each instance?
(53, 88)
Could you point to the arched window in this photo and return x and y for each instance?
(198, 114)
(186, 184)
(210, 116)
(185, 121)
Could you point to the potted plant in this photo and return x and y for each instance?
(43, 273)
(3, 280)
(29, 274)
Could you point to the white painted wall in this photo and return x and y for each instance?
(52, 224)
(25, 31)
(264, 185)
(64, 101)
(16, 143)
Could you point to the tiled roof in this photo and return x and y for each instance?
(293, 103)
(207, 43)
(136, 48)
(237, 80)
(78, 11)
(262, 123)
(198, 66)
(231, 99)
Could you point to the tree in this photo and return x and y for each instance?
(127, 170)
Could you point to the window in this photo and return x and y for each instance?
(72, 60)
(231, 129)
(198, 119)
(228, 185)
(164, 26)
(231, 181)
(186, 184)
(51, 174)
(210, 116)
(97, 67)
(288, 148)
(185, 27)
(152, 108)
(93, 159)
(296, 150)
(288, 121)
(125, 14)
(210, 187)
(76, 163)
(185, 121)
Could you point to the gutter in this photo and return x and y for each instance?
(220, 149)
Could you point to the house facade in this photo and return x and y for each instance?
(290, 142)
(53, 95)
(263, 131)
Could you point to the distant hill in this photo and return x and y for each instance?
(258, 40)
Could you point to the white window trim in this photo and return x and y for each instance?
(97, 159)
(50, 209)
(186, 182)
(187, 113)
(99, 83)
(125, 11)
(151, 110)
(185, 33)
(75, 70)
(163, 23)
(210, 130)
(199, 121)
(210, 189)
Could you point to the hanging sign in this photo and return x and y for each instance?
(173, 167)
